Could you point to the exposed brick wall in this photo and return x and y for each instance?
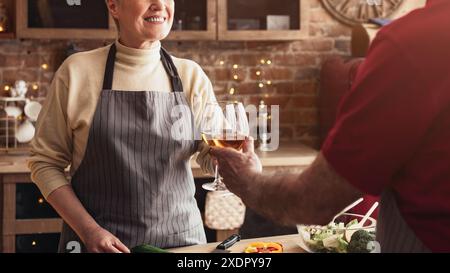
(294, 71)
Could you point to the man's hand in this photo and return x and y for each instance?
(238, 169)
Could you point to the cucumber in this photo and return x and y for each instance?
(148, 249)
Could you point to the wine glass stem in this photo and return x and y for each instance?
(216, 174)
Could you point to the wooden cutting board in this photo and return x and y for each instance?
(289, 242)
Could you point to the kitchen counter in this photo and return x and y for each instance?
(289, 242)
(288, 155)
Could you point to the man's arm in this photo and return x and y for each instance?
(313, 197)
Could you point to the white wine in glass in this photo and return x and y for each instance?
(236, 142)
(225, 125)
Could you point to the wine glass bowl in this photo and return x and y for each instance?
(224, 125)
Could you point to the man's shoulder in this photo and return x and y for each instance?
(421, 26)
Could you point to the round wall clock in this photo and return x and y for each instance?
(360, 11)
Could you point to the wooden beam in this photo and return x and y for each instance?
(9, 244)
(33, 226)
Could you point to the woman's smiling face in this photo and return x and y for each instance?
(144, 20)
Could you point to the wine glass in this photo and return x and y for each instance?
(224, 125)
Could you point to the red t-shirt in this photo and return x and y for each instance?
(393, 127)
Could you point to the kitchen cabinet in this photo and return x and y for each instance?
(223, 20)
(194, 20)
(55, 19)
(69, 19)
(7, 22)
(19, 225)
(27, 219)
(262, 20)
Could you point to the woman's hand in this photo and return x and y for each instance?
(95, 238)
(99, 240)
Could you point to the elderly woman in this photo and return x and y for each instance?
(131, 179)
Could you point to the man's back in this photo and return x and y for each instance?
(393, 128)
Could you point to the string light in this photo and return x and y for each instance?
(261, 104)
(2, 29)
(44, 66)
(41, 200)
(35, 86)
(33, 243)
(7, 88)
(264, 82)
(234, 74)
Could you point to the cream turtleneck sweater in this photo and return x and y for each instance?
(63, 126)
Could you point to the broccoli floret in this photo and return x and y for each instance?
(359, 241)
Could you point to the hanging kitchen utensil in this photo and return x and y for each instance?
(25, 132)
(32, 110)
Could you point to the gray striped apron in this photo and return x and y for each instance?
(393, 233)
(135, 179)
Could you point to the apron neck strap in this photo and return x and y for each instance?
(166, 59)
(171, 69)
(109, 69)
